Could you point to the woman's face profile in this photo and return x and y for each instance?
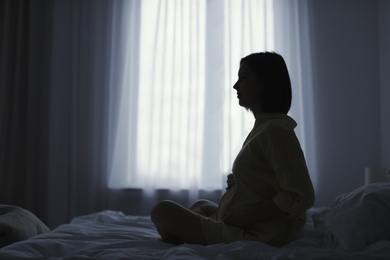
(248, 88)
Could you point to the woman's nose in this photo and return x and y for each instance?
(235, 85)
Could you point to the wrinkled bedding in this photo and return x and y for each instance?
(335, 232)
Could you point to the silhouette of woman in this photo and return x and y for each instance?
(269, 189)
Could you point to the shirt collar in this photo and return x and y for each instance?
(261, 118)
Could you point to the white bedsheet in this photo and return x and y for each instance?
(114, 235)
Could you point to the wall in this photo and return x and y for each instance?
(346, 93)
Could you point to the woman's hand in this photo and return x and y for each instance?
(230, 181)
(204, 207)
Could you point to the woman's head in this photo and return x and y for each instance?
(264, 83)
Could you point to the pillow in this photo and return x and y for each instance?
(359, 218)
(18, 224)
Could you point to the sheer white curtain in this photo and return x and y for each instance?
(180, 126)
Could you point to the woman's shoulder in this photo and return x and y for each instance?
(275, 122)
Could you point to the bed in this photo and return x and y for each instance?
(355, 226)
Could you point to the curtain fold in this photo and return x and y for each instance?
(86, 64)
(25, 37)
(60, 64)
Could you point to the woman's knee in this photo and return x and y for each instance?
(175, 221)
(160, 210)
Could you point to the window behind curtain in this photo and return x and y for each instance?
(180, 125)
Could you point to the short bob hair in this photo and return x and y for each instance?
(271, 71)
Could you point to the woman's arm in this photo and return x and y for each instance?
(283, 151)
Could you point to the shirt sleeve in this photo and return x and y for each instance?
(284, 153)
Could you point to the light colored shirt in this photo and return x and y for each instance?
(270, 166)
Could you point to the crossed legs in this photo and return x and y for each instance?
(177, 224)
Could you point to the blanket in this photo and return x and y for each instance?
(355, 226)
